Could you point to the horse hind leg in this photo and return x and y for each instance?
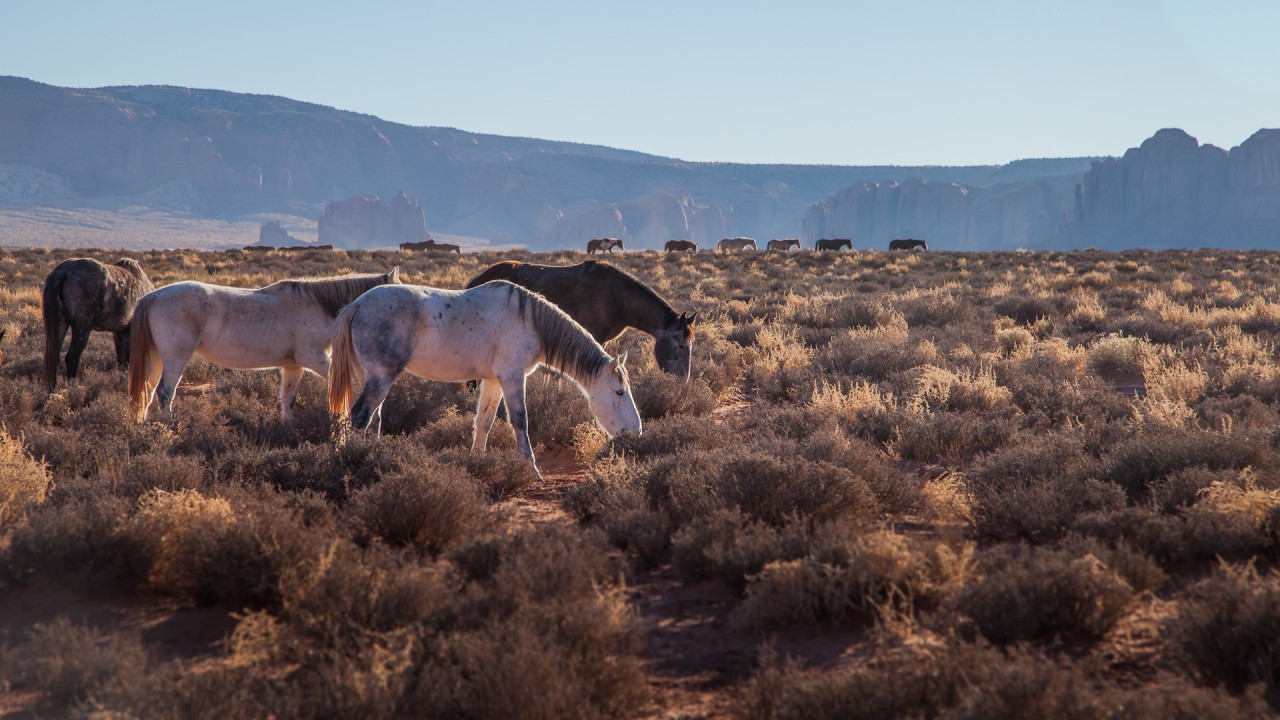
(122, 348)
(170, 377)
(290, 379)
(368, 407)
(79, 339)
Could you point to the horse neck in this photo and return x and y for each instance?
(645, 309)
(566, 346)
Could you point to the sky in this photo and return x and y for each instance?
(911, 82)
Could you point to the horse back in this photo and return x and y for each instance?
(504, 270)
(78, 291)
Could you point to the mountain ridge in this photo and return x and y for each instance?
(248, 154)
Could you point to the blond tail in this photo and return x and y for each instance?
(140, 346)
(341, 364)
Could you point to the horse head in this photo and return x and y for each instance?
(393, 277)
(611, 401)
(673, 345)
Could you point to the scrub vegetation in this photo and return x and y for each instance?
(907, 484)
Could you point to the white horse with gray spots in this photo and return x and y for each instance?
(498, 332)
(285, 325)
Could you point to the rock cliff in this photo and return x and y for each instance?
(1173, 191)
(273, 234)
(949, 215)
(367, 222)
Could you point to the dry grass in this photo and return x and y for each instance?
(928, 455)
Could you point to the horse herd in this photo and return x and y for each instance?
(740, 244)
(608, 244)
(511, 318)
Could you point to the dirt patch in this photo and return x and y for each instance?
(189, 634)
(1133, 384)
(172, 631)
(696, 659)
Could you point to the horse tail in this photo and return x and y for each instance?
(341, 364)
(51, 307)
(140, 345)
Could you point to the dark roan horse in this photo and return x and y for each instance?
(825, 244)
(83, 295)
(605, 301)
(908, 244)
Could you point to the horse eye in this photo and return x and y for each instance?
(620, 393)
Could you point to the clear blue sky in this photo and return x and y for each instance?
(801, 81)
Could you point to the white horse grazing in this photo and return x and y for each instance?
(285, 325)
(738, 243)
(497, 332)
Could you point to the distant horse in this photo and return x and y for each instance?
(286, 325)
(784, 244)
(825, 244)
(498, 332)
(83, 295)
(430, 245)
(603, 244)
(300, 248)
(258, 248)
(680, 246)
(908, 244)
(605, 301)
(738, 243)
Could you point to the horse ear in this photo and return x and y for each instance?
(691, 317)
(394, 275)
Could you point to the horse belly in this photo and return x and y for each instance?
(256, 348)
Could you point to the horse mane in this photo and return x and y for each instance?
(132, 266)
(635, 283)
(333, 293)
(567, 345)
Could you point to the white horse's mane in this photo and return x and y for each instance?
(566, 344)
(333, 293)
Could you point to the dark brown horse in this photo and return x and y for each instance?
(301, 248)
(784, 244)
(681, 246)
(430, 245)
(908, 244)
(605, 301)
(84, 295)
(825, 244)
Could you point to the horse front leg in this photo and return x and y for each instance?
(290, 378)
(486, 412)
(517, 413)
